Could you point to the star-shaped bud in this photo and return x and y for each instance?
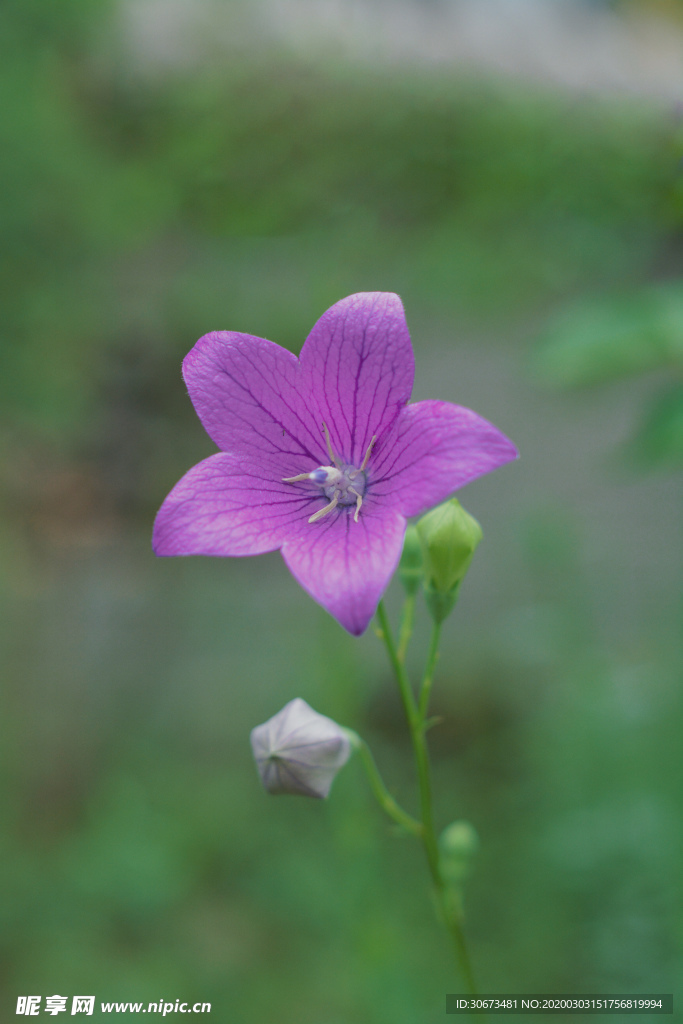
(299, 751)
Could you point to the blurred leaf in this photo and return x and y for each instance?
(154, 208)
(659, 441)
(601, 340)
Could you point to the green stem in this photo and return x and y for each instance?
(416, 723)
(384, 797)
(407, 695)
(406, 630)
(428, 678)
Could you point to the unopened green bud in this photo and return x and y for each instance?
(458, 845)
(411, 566)
(439, 605)
(449, 537)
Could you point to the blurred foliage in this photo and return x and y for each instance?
(669, 10)
(139, 210)
(602, 340)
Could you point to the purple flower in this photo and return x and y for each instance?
(321, 456)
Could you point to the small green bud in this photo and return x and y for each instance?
(439, 605)
(449, 538)
(411, 566)
(458, 845)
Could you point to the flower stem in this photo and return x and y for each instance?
(384, 797)
(406, 629)
(416, 716)
(407, 695)
(428, 677)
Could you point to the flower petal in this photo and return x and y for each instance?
(345, 566)
(249, 395)
(358, 364)
(222, 507)
(435, 448)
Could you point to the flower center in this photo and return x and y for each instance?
(344, 485)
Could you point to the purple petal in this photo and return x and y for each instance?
(222, 507)
(435, 449)
(345, 566)
(250, 397)
(358, 364)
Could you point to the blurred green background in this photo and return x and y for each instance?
(534, 235)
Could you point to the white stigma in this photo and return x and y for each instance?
(343, 485)
(325, 476)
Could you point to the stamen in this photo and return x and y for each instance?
(333, 457)
(367, 454)
(323, 511)
(359, 502)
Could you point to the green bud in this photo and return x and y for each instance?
(411, 566)
(458, 845)
(439, 605)
(449, 537)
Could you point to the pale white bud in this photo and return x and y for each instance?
(299, 751)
